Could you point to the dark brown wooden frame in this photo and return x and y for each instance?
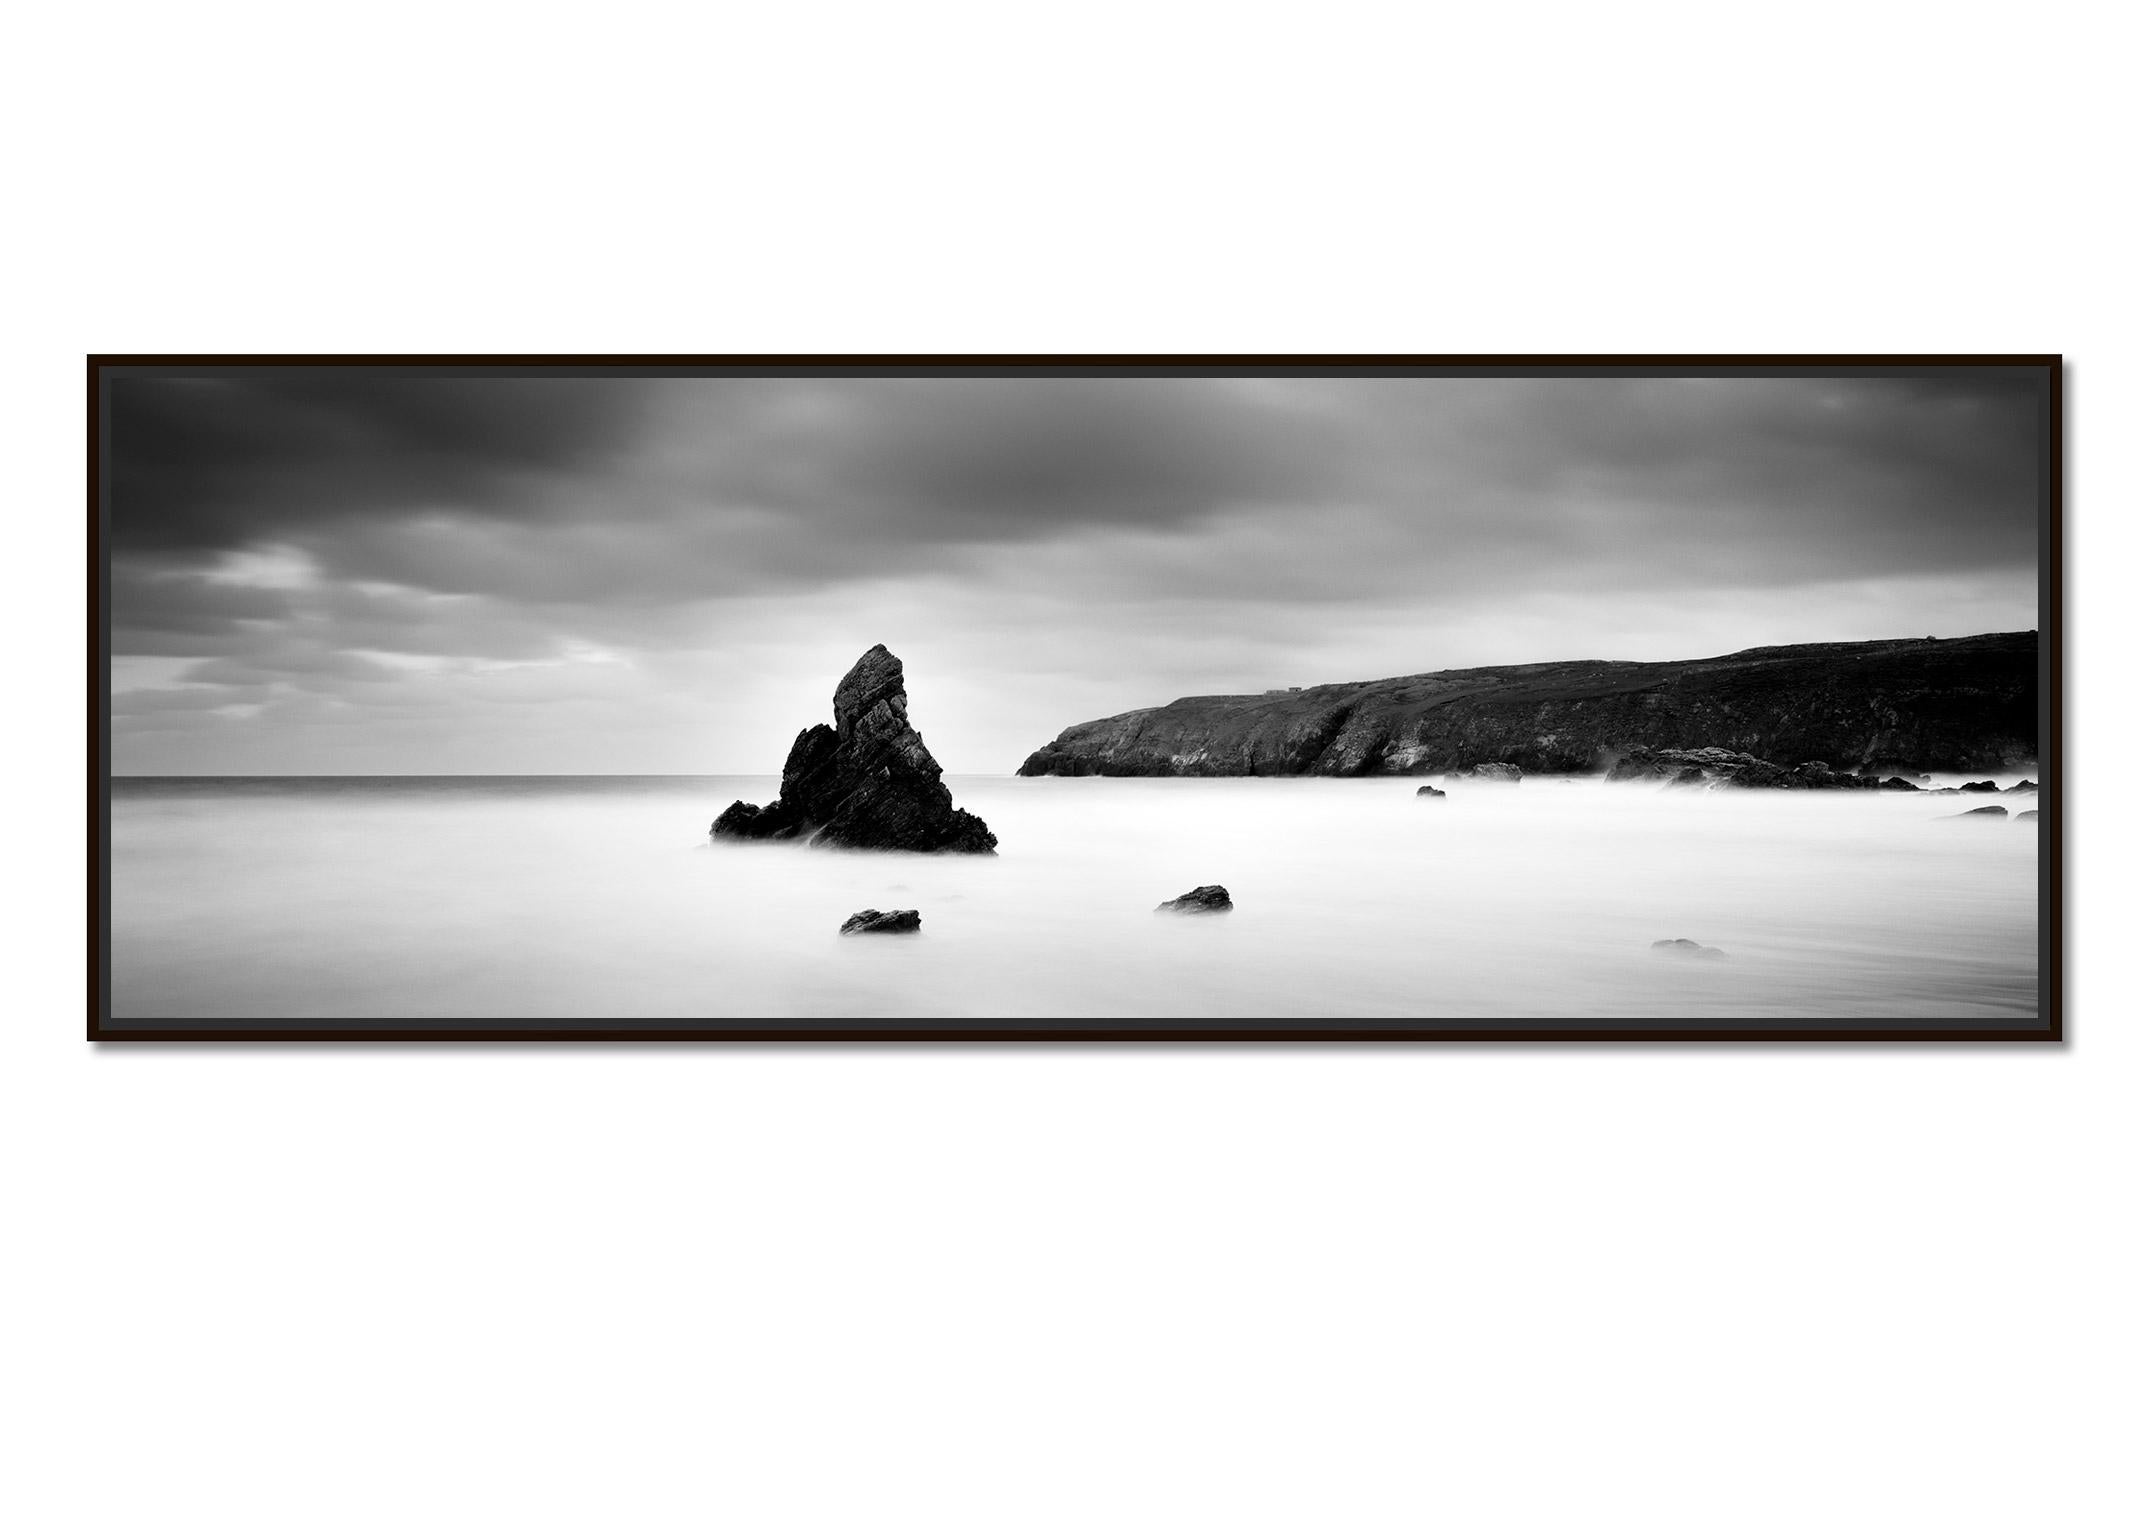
(2046, 1028)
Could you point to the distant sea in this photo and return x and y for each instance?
(533, 897)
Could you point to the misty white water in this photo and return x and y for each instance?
(603, 897)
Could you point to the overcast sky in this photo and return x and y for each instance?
(324, 573)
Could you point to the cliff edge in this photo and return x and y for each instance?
(1969, 703)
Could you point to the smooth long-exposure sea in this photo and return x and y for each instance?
(526, 897)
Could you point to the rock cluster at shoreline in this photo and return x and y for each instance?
(1722, 766)
(1493, 773)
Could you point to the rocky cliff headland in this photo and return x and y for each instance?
(866, 783)
(1966, 704)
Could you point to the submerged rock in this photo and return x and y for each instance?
(871, 921)
(1203, 899)
(2025, 816)
(1430, 790)
(1984, 811)
(866, 783)
(1692, 949)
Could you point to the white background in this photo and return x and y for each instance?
(1014, 1291)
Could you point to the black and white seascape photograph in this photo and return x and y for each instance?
(1661, 699)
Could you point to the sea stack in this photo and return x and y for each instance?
(868, 783)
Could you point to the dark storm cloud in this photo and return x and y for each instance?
(213, 463)
(613, 489)
(951, 460)
(868, 474)
(159, 612)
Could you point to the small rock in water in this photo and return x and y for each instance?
(2025, 816)
(1203, 899)
(1982, 787)
(1896, 782)
(1984, 811)
(1428, 790)
(871, 921)
(2021, 788)
(1691, 948)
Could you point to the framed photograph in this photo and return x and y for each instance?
(1222, 699)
